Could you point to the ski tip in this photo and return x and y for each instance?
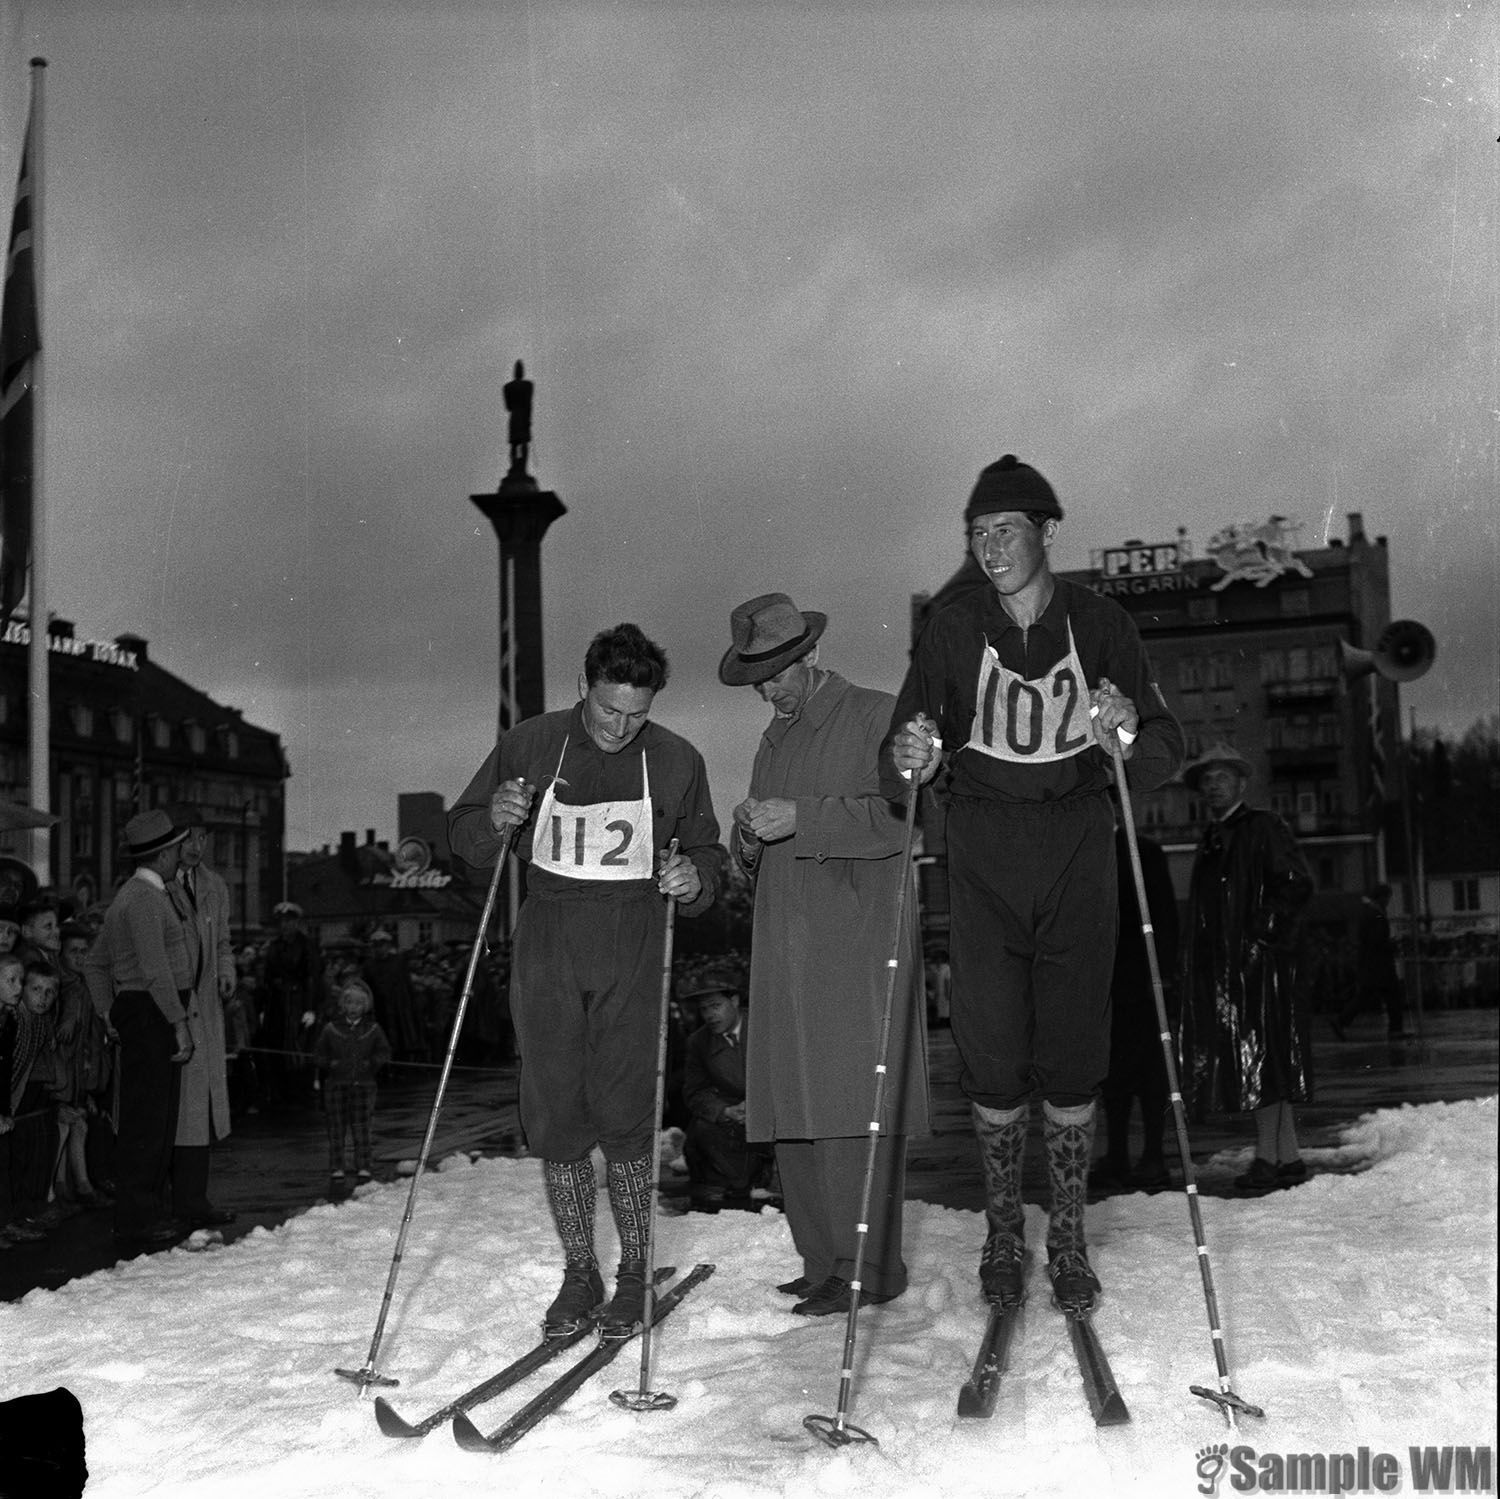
(392, 1424)
(1112, 1411)
(469, 1436)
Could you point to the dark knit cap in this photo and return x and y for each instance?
(1009, 484)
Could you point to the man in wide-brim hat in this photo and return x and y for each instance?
(823, 847)
(139, 979)
(767, 634)
(1221, 752)
(1243, 1041)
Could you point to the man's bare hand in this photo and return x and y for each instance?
(773, 819)
(510, 804)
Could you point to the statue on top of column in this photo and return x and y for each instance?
(517, 394)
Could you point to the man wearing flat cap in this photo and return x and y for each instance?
(1024, 685)
(1243, 1041)
(139, 980)
(823, 847)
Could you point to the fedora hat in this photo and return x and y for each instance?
(718, 979)
(768, 632)
(1219, 753)
(150, 832)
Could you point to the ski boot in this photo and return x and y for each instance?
(626, 1313)
(577, 1302)
(1002, 1269)
(1075, 1287)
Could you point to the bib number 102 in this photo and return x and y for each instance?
(1029, 717)
(614, 856)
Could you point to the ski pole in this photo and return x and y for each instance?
(644, 1399)
(365, 1376)
(836, 1430)
(1224, 1397)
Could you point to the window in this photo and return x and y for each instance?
(1465, 896)
(121, 726)
(81, 716)
(1323, 662)
(1331, 799)
(424, 932)
(1220, 670)
(1190, 674)
(83, 834)
(1272, 667)
(1296, 664)
(161, 732)
(1326, 729)
(1282, 803)
(196, 737)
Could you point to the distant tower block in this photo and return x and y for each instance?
(520, 512)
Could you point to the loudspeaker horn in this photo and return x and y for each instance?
(1404, 652)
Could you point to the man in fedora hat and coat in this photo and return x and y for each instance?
(1243, 1043)
(139, 980)
(202, 900)
(1028, 685)
(823, 848)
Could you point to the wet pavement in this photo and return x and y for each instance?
(274, 1165)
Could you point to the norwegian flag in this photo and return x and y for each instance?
(20, 342)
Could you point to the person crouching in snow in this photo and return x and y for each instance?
(349, 1054)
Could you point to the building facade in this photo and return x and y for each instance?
(126, 735)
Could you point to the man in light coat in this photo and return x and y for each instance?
(202, 901)
(140, 981)
(823, 848)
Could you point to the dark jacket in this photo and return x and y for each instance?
(713, 1075)
(351, 1054)
(1243, 1044)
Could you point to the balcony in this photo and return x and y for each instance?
(1308, 690)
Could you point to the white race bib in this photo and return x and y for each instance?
(1029, 722)
(598, 841)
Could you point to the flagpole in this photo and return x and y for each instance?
(41, 695)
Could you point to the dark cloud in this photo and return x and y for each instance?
(786, 278)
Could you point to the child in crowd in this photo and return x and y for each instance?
(12, 973)
(349, 1053)
(85, 1070)
(241, 1021)
(33, 1091)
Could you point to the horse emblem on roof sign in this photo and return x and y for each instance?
(1256, 551)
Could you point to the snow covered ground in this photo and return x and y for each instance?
(1359, 1310)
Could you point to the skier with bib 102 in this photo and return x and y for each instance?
(1023, 684)
(596, 793)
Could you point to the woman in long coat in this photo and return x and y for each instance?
(202, 901)
(1243, 1044)
(822, 939)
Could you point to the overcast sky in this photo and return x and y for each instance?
(786, 276)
